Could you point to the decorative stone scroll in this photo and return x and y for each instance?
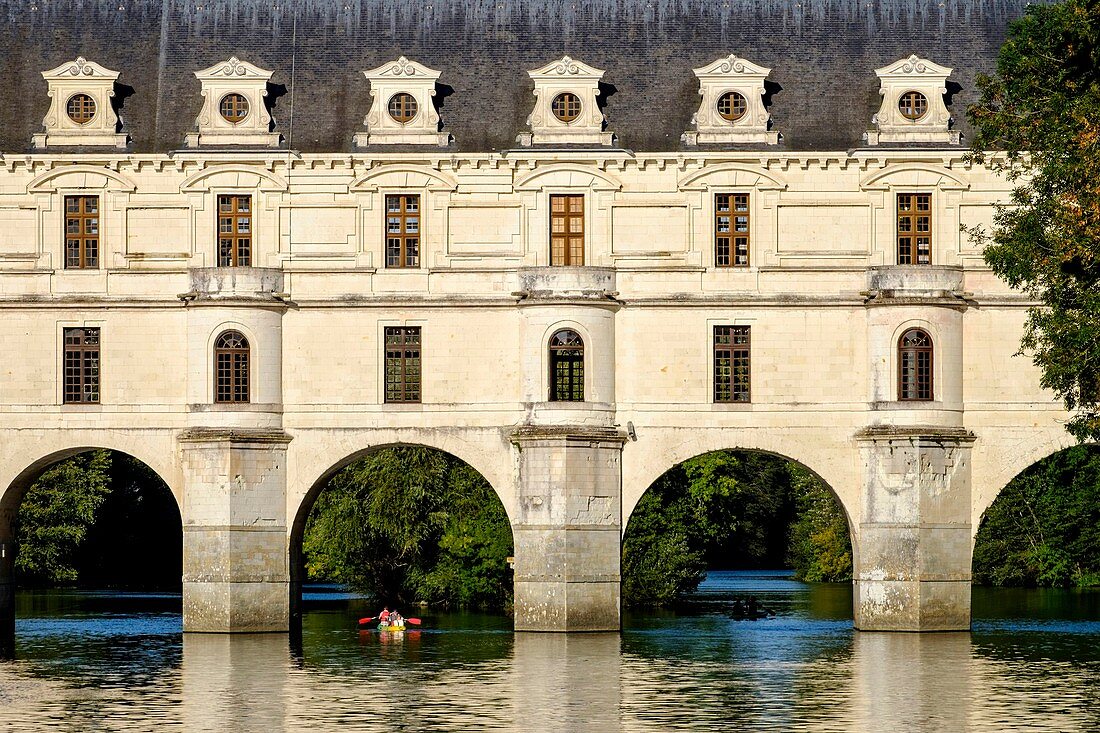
(732, 107)
(80, 108)
(403, 111)
(233, 110)
(566, 110)
(913, 109)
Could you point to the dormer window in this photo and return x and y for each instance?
(913, 109)
(234, 108)
(80, 108)
(402, 107)
(566, 106)
(913, 105)
(402, 110)
(566, 110)
(731, 108)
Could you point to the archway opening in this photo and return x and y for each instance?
(721, 528)
(1043, 529)
(91, 533)
(403, 526)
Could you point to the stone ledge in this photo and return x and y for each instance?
(932, 433)
(218, 435)
(532, 433)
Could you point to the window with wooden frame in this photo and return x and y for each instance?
(231, 364)
(81, 365)
(403, 362)
(731, 230)
(732, 369)
(81, 232)
(234, 231)
(915, 366)
(566, 229)
(566, 367)
(914, 228)
(403, 230)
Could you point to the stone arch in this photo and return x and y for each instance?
(233, 177)
(337, 452)
(835, 464)
(81, 176)
(158, 451)
(404, 177)
(567, 176)
(732, 175)
(914, 175)
(1005, 455)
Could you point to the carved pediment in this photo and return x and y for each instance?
(566, 107)
(731, 109)
(81, 112)
(913, 108)
(402, 110)
(234, 110)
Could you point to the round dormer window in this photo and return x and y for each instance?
(732, 106)
(913, 105)
(80, 108)
(402, 107)
(566, 106)
(233, 108)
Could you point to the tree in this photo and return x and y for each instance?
(1044, 528)
(731, 509)
(1041, 111)
(55, 515)
(412, 524)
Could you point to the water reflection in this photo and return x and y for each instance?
(90, 662)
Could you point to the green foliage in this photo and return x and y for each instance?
(1044, 528)
(412, 524)
(730, 509)
(820, 548)
(99, 519)
(55, 515)
(1042, 109)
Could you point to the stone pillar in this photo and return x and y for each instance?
(567, 528)
(235, 555)
(914, 545)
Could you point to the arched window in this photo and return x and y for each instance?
(231, 367)
(566, 367)
(915, 365)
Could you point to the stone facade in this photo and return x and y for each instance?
(825, 302)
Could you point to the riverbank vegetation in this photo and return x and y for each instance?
(412, 524)
(100, 519)
(731, 510)
(1044, 528)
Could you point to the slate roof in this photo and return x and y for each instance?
(822, 52)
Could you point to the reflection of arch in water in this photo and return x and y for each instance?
(338, 457)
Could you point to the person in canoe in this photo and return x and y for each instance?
(384, 617)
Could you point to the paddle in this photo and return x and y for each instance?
(413, 621)
(366, 620)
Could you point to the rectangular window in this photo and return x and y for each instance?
(403, 231)
(403, 364)
(731, 364)
(81, 232)
(81, 365)
(914, 229)
(731, 230)
(234, 231)
(566, 230)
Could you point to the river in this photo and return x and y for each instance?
(117, 661)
